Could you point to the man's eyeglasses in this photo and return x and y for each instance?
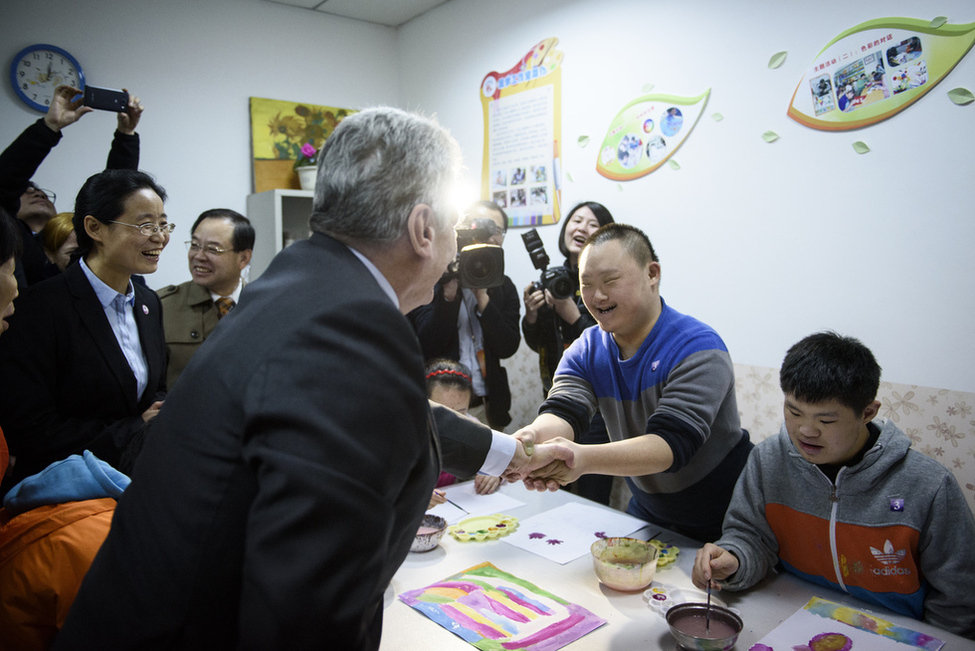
(196, 247)
(47, 193)
(148, 229)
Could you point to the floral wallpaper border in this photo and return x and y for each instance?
(939, 422)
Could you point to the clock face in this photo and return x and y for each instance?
(37, 70)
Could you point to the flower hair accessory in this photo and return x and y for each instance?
(447, 371)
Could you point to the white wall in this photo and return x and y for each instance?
(767, 243)
(194, 64)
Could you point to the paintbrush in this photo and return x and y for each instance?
(707, 613)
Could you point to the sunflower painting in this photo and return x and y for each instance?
(278, 131)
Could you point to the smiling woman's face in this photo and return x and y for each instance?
(582, 224)
(121, 249)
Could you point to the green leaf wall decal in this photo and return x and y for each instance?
(961, 96)
(777, 59)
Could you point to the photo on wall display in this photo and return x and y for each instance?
(875, 70)
(646, 132)
(861, 83)
(522, 130)
(822, 94)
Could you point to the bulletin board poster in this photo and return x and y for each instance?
(278, 130)
(875, 70)
(521, 169)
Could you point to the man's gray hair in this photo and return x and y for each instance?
(375, 167)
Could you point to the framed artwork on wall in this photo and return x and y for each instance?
(281, 132)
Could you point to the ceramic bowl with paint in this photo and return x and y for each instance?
(624, 564)
(688, 624)
(429, 534)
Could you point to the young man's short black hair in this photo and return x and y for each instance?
(826, 366)
(631, 238)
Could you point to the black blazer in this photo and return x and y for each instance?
(284, 479)
(68, 385)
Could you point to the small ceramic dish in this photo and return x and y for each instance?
(429, 534)
(483, 527)
(662, 597)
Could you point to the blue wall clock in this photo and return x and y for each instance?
(38, 69)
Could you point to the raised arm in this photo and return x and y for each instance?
(124, 154)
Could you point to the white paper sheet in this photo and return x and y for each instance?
(566, 533)
(466, 502)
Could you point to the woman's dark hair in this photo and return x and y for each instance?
(103, 197)
(603, 216)
(447, 373)
(10, 243)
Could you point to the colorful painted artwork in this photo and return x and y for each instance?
(823, 625)
(646, 132)
(875, 70)
(494, 610)
(279, 130)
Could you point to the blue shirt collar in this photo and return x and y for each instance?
(106, 295)
(380, 278)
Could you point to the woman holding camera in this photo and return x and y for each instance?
(550, 324)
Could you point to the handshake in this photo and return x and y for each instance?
(543, 466)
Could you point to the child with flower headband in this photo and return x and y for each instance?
(449, 384)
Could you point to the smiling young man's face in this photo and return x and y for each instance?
(827, 432)
(620, 293)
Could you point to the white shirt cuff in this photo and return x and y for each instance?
(503, 448)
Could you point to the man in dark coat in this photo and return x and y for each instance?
(287, 473)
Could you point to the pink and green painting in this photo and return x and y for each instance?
(497, 611)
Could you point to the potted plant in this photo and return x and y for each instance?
(306, 166)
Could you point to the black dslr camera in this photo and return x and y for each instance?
(557, 281)
(478, 265)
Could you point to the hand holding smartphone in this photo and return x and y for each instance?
(106, 99)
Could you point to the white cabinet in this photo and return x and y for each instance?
(279, 217)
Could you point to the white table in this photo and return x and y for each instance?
(631, 625)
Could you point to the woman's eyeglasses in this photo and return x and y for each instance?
(149, 229)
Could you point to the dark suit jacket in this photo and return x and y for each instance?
(68, 387)
(284, 479)
(436, 327)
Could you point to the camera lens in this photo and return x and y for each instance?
(478, 269)
(561, 287)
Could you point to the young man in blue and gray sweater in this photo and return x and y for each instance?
(665, 385)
